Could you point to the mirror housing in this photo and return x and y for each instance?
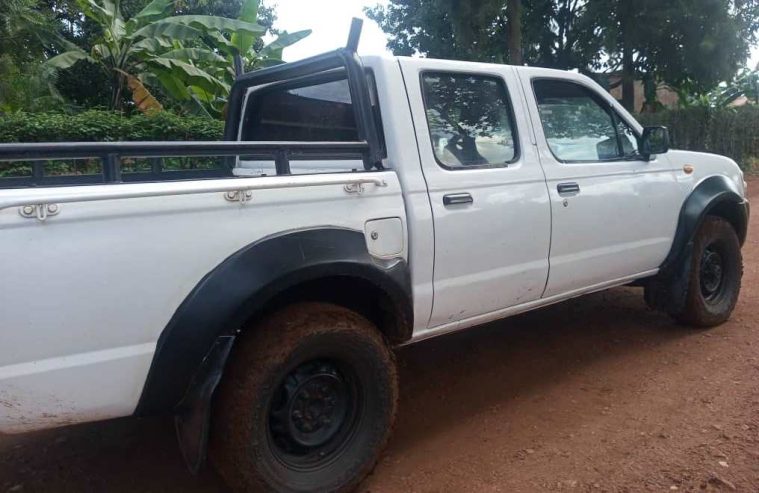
(654, 140)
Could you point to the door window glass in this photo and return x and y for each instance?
(470, 120)
(579, 125)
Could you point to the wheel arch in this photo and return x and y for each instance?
(322, 264)
(716, 195)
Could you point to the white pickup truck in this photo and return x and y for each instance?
(359, 204)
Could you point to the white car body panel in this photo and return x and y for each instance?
(131, 262)
(492, 253)
(624, 218)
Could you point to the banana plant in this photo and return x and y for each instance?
(253, 54)
(154, 47)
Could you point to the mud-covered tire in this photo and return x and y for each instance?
(715, 275)
(307, 402)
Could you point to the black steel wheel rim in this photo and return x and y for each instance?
(313, 414)
(712, 273)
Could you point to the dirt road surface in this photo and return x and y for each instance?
(595, 394)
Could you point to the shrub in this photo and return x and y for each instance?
(732, 132)
(106, 126)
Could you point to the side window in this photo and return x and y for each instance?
(579, 125)
(317, 112)
(470, 120)
(320, 112)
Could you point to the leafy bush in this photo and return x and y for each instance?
(730, 131)
(106, 126)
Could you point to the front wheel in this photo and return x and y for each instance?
(307, 403)
(715, 275)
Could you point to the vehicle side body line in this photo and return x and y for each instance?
(241, 286)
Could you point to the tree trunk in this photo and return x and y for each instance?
(116, 91)
(628, 70)
(514, 12)
(628, 79)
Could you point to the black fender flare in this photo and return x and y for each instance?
(193, 348)
(715, 195)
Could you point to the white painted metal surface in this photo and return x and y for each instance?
(385, 238)
(87, 293)
(63, 195)
(624, 217)
(492, 253)
(403, 157)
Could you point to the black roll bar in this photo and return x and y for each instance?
(346, 58)
(112, 153)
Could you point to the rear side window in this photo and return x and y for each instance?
(470, 120)
(320, 111)
(317, 113)
(579, 125)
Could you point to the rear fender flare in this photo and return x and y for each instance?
(193, 348)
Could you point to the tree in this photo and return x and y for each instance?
(550, 33)
(150, 46)
(745, 84)
(561, 34)
(189, 57)
(454, 29)
(87, 85)
(689, 45)
(514, 11)
(245, 51)
(23, 31)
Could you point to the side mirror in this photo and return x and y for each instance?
(655, 140)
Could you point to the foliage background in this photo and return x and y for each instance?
(106, 126)
(732, 132)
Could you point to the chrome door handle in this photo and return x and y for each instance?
(568, 188)
(457, 198)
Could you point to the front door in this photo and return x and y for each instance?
(488, 193)
(614, 213)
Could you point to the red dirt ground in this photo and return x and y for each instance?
(595, 394)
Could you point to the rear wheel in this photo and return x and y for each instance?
(715, 275)
(307, 403)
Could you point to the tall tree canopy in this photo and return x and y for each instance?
(551, 33)
(691, 44)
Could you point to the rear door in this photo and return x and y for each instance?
(614, 213)
(488, 194)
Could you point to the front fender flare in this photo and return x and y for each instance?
(715, 195)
